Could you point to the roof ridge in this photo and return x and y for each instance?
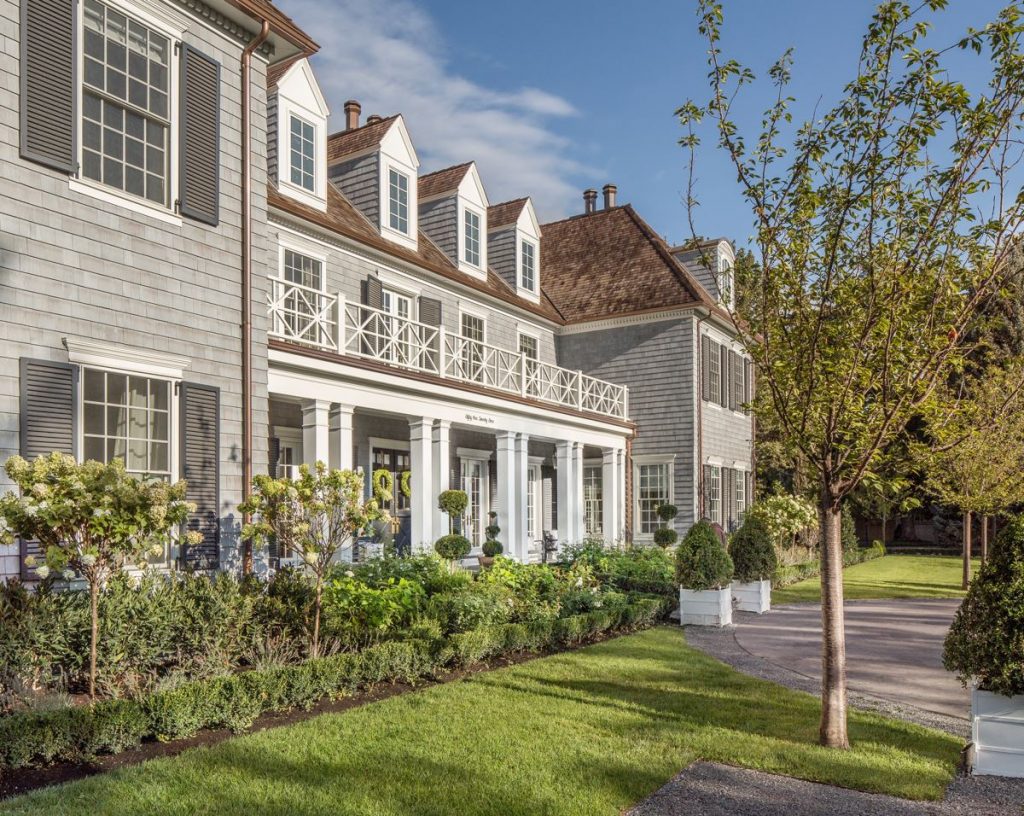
(446, 169)
(363, 126)
(587, 214)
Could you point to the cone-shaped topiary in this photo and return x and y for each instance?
(453, 547)
(985, 644)
(701, 560)
(752, 552)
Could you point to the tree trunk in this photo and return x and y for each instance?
(832, 733)
(984, 538)
(967, 549)
(315, 650)
(94, 611)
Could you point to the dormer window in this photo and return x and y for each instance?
(472, 238)
(398, 201)
(303, 154)
(725, 282)
(528, 266)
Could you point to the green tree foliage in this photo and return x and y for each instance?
(883, 228)
(701, 560)
(753, 552)
(90, 519)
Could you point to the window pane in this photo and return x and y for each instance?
(302, 154)
(93, 385)
(95, 449)
(398, 198)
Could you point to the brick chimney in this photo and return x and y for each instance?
(352, 110)
(609, 195)
(589, 201)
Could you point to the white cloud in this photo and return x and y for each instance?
(390, 56)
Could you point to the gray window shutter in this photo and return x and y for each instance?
(200, 461)
(723, 373)
(706, 493)
(49, 422)
(748, 383)
(430, 314)
(199, 155)
(549, 499)
(705, 367)
(373, 293)
(736, 368)
(373, 296)
(273, 456)
(49, 76)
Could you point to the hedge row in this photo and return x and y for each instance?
(793, 573)
(80, 732)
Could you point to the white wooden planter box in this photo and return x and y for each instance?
(705, 607)
(755, 596)
(997, 731)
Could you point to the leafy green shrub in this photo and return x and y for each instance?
(665, 537)
(453, 502)
(752, 552)
(357, 614)
(426, 569)
(985, 644)
(848, 531)
(667, 512)
(453, 547)
(492, 547)
(701, 560)
(468, 609)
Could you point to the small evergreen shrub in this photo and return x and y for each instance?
(453, 547)
(985, 644)
(665, 537)
(453, 502)
(753, 554)
(701, 560)
(667, 512)
(492, 547)
(848, 531)
(468, 609)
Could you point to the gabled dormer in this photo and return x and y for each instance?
(453, 214)
(513, 241)
(297, 133)
(375, 166)
(712, 264)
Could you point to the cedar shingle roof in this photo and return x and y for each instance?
(442, 181)
(611, 263)
(343, 218)
(346, 142)
(501, 215)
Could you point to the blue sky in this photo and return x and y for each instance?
(552, 97)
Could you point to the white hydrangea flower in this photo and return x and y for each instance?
(68, 575)
(43, 571)
(349, 574)
(88, 559)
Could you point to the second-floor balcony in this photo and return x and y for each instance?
(301, 314)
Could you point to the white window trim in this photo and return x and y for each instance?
(473, 311)
(318, 197)
(484, 459)
(301, 248)
(473, 453)
(125, 360)
(529, 294)
(399, 283)
(651, 459)
(478, 271)
(173, 27)
(410, 238)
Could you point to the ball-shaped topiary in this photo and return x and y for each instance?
(985, 644)
(666, 512)
(701, 560)
(453, 502)
(752, 552)
(665, 537)
(453, 547)
(492, 547)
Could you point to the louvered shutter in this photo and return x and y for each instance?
(706, 490)
(430, 314)
(736, 370)
(723, 374)
(748, 383)
(274, 456)
(705, 367)
(373, 296)
(49, 77)
(49, 422)
(200, 461)
(549, 498)
(199, 160)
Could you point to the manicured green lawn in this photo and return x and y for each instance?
(891, 576)
(587, 732)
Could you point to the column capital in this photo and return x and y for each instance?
(315, 406)
(420, 427)
(340, 410)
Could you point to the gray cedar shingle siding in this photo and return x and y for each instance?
(73, 265)
(439, 221)
(359, 180)
(501, 254)
(272, 136)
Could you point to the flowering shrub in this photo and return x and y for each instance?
(785, 516)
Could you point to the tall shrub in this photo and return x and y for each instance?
(752, 552)
(701, 560)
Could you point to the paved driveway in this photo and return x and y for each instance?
(893, 648)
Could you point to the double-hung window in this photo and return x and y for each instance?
(299, 316)
(125, 104)
(396, 344)
(740, 488)
(652, 492)
(715, 369)
(472, 242)
(593, 502)
(528, 266)
(302, 154)
(473, 350)
(398, 201)
(713, 510)
(528, 347)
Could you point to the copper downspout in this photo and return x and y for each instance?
(247, 280)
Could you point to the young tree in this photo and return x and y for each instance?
(881, 231)
(314, 516)
(90, 519)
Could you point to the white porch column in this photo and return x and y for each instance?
(564, 490)
(341, 437)
(579, 524)
(441, 477)
(506, 444)
(315, 431)
(520, 548)
(610, 521)
(422, 501)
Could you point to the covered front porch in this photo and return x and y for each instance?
(555, 477)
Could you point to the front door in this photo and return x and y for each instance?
(475, 484)
(397, 463)
(534, 507)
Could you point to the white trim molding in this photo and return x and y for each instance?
(125, 359)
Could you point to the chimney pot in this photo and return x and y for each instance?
(609, 195)
(589, 201)
(373, 118)
(352, 110)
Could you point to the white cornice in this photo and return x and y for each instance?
(125, 358)
(625, 320)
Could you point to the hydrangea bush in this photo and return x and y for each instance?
(785, 516)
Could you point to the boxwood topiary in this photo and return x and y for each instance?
(492, 547)
(985, 644)
(665, 537)
(701, 560)
(752, 552)
(453, 502)
(454, 547)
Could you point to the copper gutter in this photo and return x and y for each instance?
(246, 66)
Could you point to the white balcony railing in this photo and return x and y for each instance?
(314, 318)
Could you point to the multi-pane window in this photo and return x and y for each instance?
(302, 269)
(740, 482)
(395, 343)
(473, 351)
(125, 104)
(528, 266)
(303, 154)
(474, 483)
(398, 201)
(472, 238)
(715, 368)
(593, 504)
(652, 492)
(714, 493)
(127, 417)
(528, 346)
(533, 502)
(300, 309)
